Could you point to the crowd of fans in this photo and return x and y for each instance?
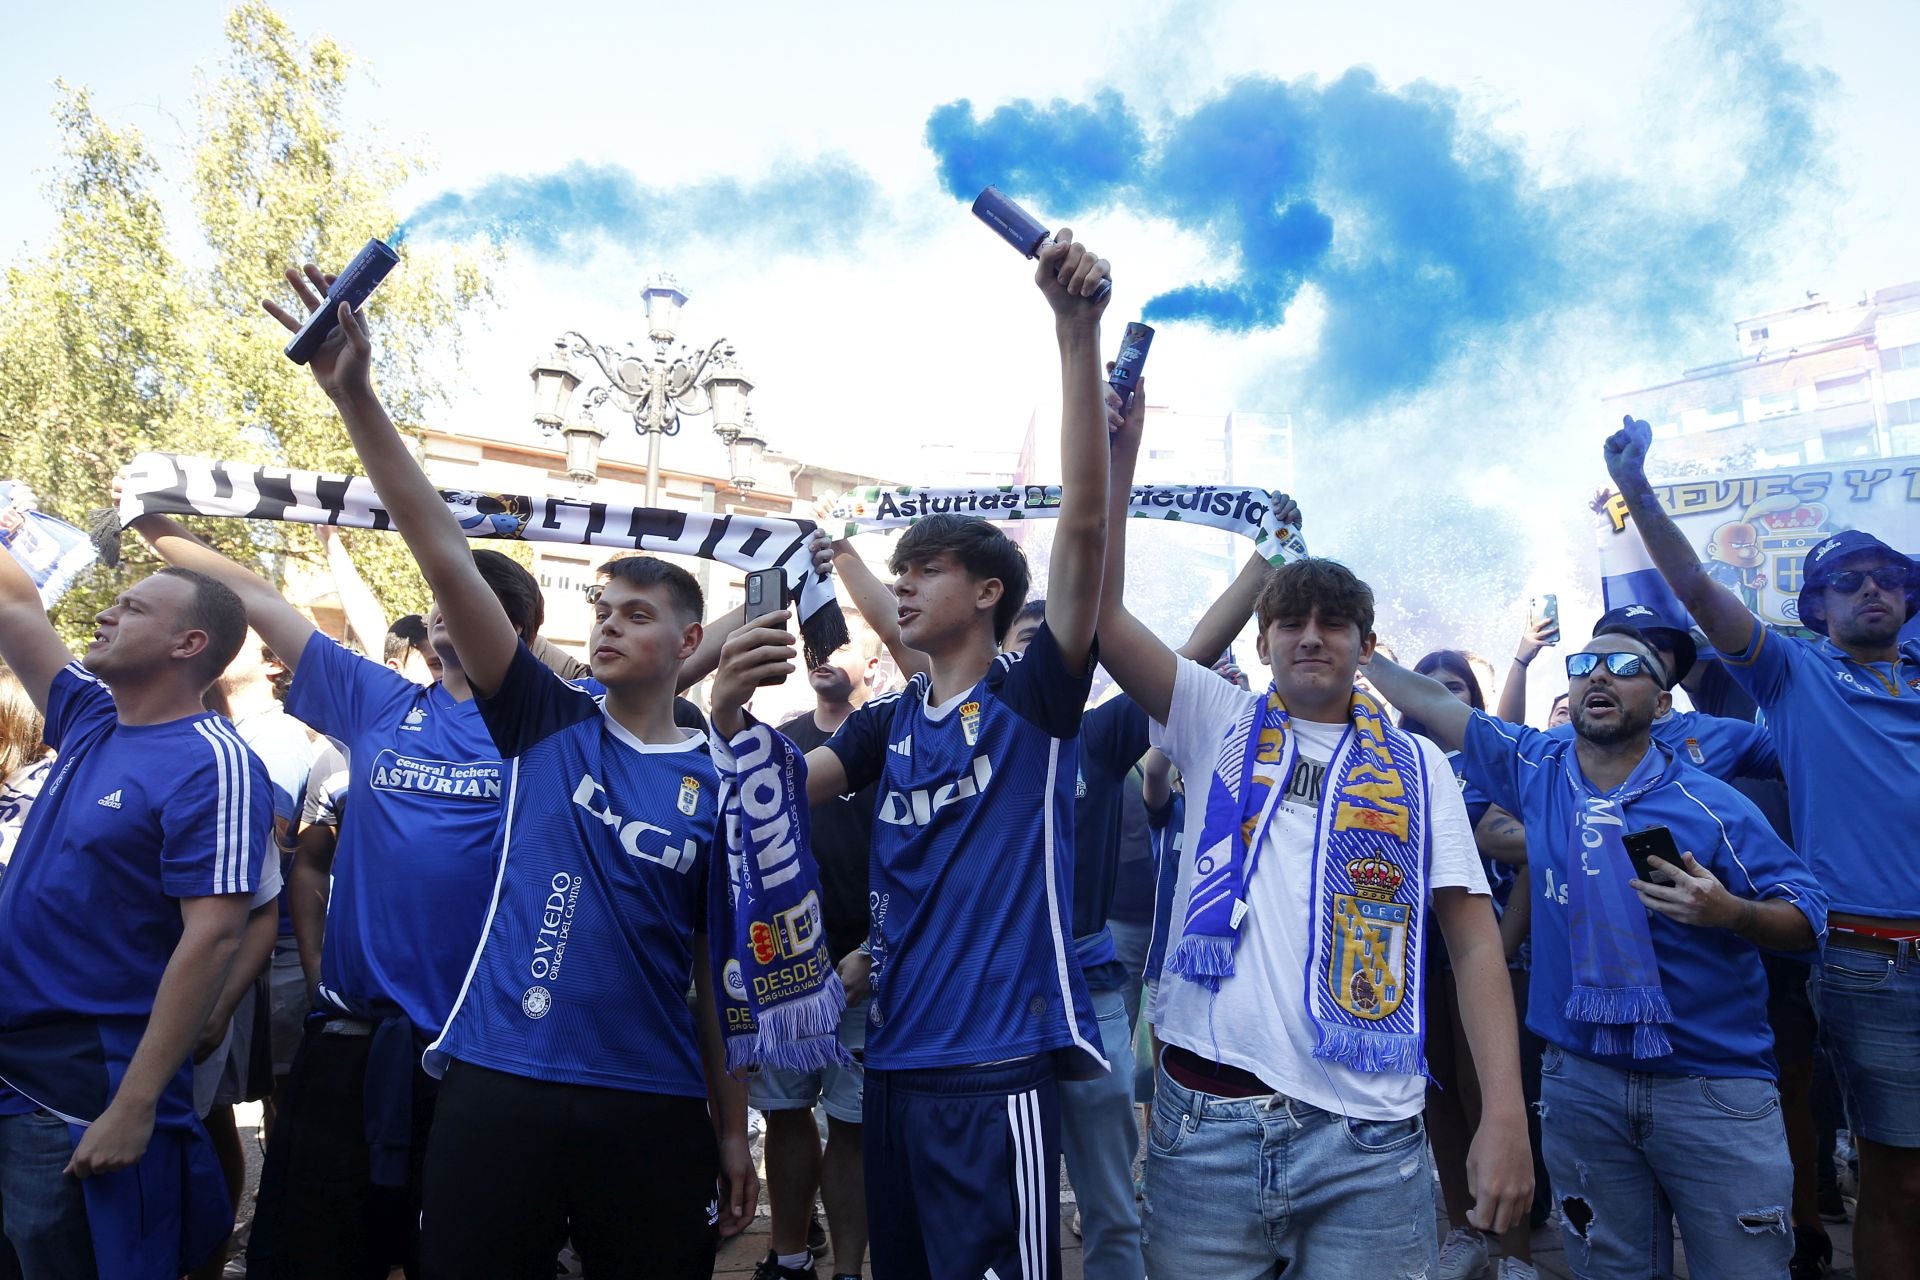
(1319, 939)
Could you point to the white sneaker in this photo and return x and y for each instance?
(1514, 1269)
(1463, 1255)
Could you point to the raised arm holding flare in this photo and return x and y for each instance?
(608, 785)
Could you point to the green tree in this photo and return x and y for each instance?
(111, 343)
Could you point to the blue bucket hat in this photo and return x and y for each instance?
(1830, 556)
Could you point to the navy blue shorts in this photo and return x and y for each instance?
(963, 1172)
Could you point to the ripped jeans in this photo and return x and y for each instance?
(1629, 1152)
(1236, 1187)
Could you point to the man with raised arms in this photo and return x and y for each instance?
(577, 1079)
(978, 1005)
(1844, 712)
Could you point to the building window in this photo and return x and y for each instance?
(1902, 412)
(1725, 415)
(1783, 403)
(1907, 357)
(1757, 335)
(1842, 445)
(1777, 457)
(1851, 389)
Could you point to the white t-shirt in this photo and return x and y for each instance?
(1258, 1020)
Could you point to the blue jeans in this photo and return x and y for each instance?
(1236, 1187)
(44, 1212)
(1629, 1152)
(1098, 1135)
(1869, 1010)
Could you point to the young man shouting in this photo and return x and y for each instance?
(1657, 1092)
(978, 1004)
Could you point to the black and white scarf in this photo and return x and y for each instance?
(169, 484)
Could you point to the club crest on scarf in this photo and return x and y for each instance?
(779, 997)
(1370, 941)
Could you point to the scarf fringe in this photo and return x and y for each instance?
(1618, 1005)
(1202, 958)
(1372, 1051)
(801, 1035)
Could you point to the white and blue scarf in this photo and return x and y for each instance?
(779, 996)
(1369, 879)
(1616, 980)
(52, 551)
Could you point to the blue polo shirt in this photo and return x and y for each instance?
(1712, 978)
(1849, 740)
(1725, 748)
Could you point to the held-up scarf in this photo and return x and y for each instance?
(168, 484)
(1369, 870)
(1243, 510)
(1616, 981)
(779, 996)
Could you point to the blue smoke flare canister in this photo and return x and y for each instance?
(1131, 362)
(352, 286)
(1017, 227)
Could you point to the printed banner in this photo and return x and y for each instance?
(1753, 532)
(1243, 510)
(52, 551)
(168, 484)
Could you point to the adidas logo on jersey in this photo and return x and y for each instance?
(111, 801)
(916, 808)
(904, 747)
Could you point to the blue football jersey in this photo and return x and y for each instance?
(133, 818)
(582, 974)
(971, 891)
(414, 865)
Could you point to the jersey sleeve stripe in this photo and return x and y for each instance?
(232, 806)
(1049, 844)
(79, 672)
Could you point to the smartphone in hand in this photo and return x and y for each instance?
(1652, 842)
(766, 592)
(1546, 609)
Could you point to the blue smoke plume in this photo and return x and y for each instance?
(1424, 232)
(825, 204)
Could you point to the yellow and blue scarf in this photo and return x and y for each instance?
(1369, 879)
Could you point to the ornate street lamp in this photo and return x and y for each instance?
(654, 389)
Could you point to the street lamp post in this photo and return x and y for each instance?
(653, 390)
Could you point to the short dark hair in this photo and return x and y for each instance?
(1296, 590)
(1454, 662)
(406, 633)
(979, 548)
(650, 571)
(1034, 609)
(217, 611)
(518, 593)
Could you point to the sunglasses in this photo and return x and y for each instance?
(1620, 664)
(1888, 577)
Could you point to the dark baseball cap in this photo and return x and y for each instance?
(1661, 632)
(1832, 555)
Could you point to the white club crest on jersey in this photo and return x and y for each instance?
(536, 1002)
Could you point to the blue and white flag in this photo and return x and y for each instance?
(52, 551)
(1753, 531)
